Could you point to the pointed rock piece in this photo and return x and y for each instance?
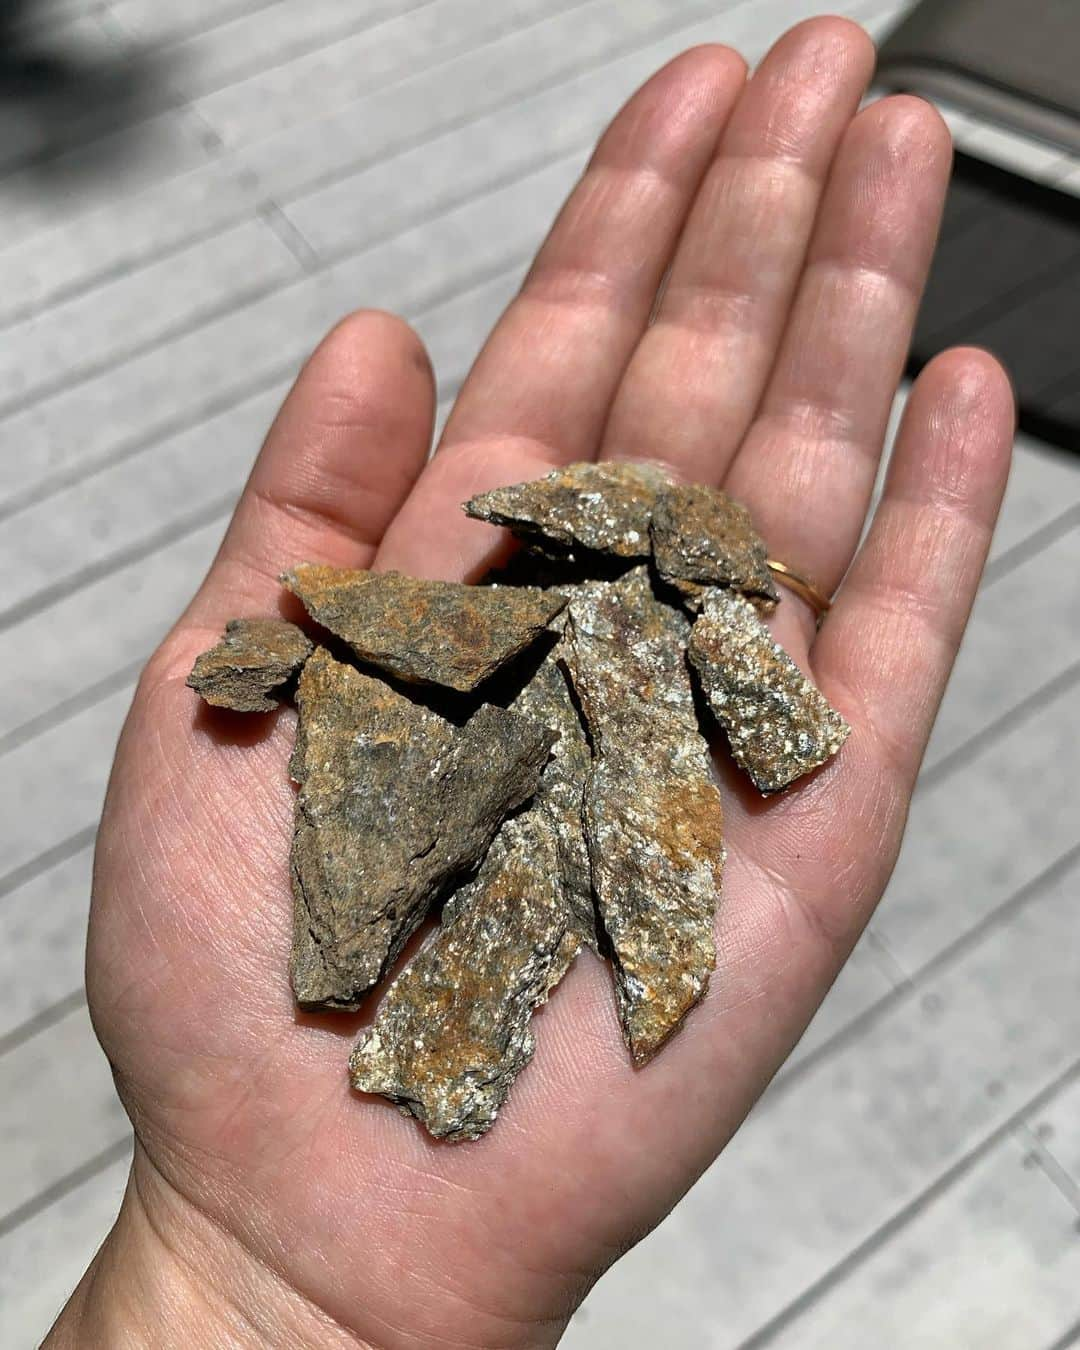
(653, 818)
(394, 803)
(601, 507)
(700, 535)
(254, 659)
(452, 1032)
(779, 726)
(560, 797)
(430, 632)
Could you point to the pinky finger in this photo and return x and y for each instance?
(889, 644)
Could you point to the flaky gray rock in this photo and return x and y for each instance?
(653, 818)
(254, 660)
(452, 1032)
(394, 804)
(778, 725)
(560, 797)
(432, 632)
(604, 508)
(702, 537)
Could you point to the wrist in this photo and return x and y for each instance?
(168, 1275)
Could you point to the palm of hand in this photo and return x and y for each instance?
(769, 369)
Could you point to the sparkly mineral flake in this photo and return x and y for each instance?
(778, 724)
(250, 666)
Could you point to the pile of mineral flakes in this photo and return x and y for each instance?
(524, 759)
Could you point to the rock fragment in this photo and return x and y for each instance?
(604, 508)
(452, 1033)
(779, 726)
(254, 660)
(430, 632)
(394, 804)
(653, 818)
(560, 797)
(702, 537)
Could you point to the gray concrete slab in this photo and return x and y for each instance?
(994, 1260)
(43, 1259)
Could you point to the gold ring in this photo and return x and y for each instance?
(806, 590)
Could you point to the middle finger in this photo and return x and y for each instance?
(695, 379)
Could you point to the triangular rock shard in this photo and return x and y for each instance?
(254, 660)
(394, 804)
(778, 724)
(700, 535)
(653, 818)
(604, 508)
(560, 797)
(452, 1032)
(429, 632)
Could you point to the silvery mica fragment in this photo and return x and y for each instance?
(395, 803)
(254, 660)
(701, 536)
(604, 508)
(778, 724)
(452, 1033)
(431, 632)
(559, 799)
(653, 817)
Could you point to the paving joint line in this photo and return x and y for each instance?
(41, 1021)
(1045, 1159)
(905, 1214)
(71, 1181)
(263, 383)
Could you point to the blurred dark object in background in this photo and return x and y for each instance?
(1013, 62)
(1007, 273)
(54, 97)
(1007, 276)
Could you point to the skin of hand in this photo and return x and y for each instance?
(270, 1204)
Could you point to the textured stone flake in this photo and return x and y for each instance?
(653, 819)
(432, 632)
(559, 798)
(452, 1033)
(394, 804)
(778, 724)
(254, 659)
(601, 507)
(700, 535)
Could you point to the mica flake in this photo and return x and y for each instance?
(452, 1032)
(251, 664)
(653, 817)
(778, 724)
(603, 508)
(395, 803)
(429, 632)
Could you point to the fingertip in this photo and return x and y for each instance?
(956, 442)
(825, 43)
(910, 131)
(367, 352)
(685, 100)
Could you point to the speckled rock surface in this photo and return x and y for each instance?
(254, 660)
(452, 1033)
(653, 818)
(431, 632)
(778, 724)
(394, 804)
(604, 508)
(700, 535)
(561, 794)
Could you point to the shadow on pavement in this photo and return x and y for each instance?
(55, 98)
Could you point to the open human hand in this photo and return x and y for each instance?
(271, 1204)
